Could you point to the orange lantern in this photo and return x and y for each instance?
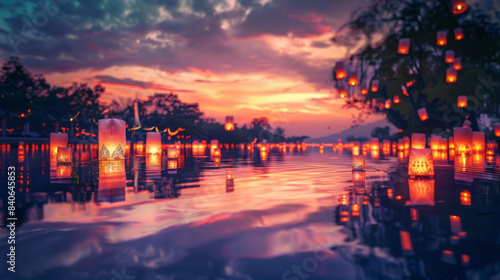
(420, 163)
(435, 139)
(406, 142)
(455, 224)
(462, 137)
(229, 126)
(449, 56)
(375, 144)
(358, 178)
(459, 34)
(172, 164)
(465, 198)
(172, 152)
(374, 86)
(112, 140)
(496, 128)
(418, 141)
(406, 243)
(404, 46)
(353, 78)
(457, 64)
(358, 162)
(451, 75)
(364, 91)
(139, 147)
(342, 92)
(57, 140)
(216, 152)
(458, 6)
(441, 38)
(462, 101)
(421, 192)
(388, 104)
(64, 155)
(443, 143)
(229, 182)
(396, 99)
(422, 114)
(340, 70)
(478, 142)
(466, 123)
(153, 144)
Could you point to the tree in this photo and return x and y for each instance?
(381, 132)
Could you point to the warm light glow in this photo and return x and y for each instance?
(340, 72)
(153, 144)
(459, 34)
(455, 224)
(462, 137)
(451, 75)
(172, 152)
(418, 141)
(57, 140)
(396, 99)
(355, 210)
(353, 78)
(478, 142)
(112, 140)
(465, 198)
(406, 244)
(458, 6)
(388, 104)
(441, 38)
(229, 126)
(358, 162)
(422, 114)
(216, 152)
(364, 91)
(421, 191)
(374, 86)
(342, 92)
(496, 128)
(111, 167)
(449, 56)
(358, 178)
(64, 155)
(462, 101)
(404, 46)
(457, 64)
(420, 163)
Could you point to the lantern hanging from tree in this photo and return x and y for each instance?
(458, 6)
(420, 163)
(459, 34)
(374, 86)
(449, 56)
(358, 162)
(112, 139)
(441, 38)
(340, 70)
(462, 137)
(404, 46)
(418, 141)
(396, 99)
(478, 142)
(153, 144)
(57, 140)
(422, 114)
(64, 155)
(451, 75)
(421, 191)
(457, 64)
(353, 78)
(462, 101)
(229, 126)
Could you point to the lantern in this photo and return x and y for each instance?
(172, 166)
(153, 144)
(458, 6)
(451, 75)
(112, 140)
(57, 140)
(358, 178)
(375, 144)
(396, 99)
(374, 86)
(443, 143)
(466, 123)
(64, 155)
(213, 145)
(216, 152)
(422, 114)
(342, 92)
(229, 182)
(462, 140)
(418, 141)
(406, 142)
(451, 143)
(229, 126)
(441, 38)
(478, 142)
(340, 70)
(462, 101)
(455, 224)
(435, 142)
(172, 152)
(449, 56)
(459, 34)
(457, 64)
(139, 148)
(420, 163)
(358, 162)
(404, 46)
(421, 192)
(406, 244)
(353, 78)
(364, 91)
(496, 128)
(388, 104)
(404, 90)
(355, 148)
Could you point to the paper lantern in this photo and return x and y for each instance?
(462, 101)
(457, 64)
(364, 91)
(342, 92)
(458, 6)
(229, 126)
(404, 46)
(406, 142)
(418, 141)
(421, 192)
(396, 99)
(422, 114)
(375, 144)
(443, 143)
(198, 149)
(406, 243)
(213, 145)
(216, 152)
(420, 163)
(451, 143)
(374, 86)
(353, 78)
(405, 91)
(455, 224)
(139, 148)
(462, 137)
(355, 148)
(64, 155)
(478, 142)
(57, 140)
(172, 152)
(358, 162)
(449, 56)
(459, 34)
(435, 142)
(172, 164)
(451, 75)
(340, 70)
(441, 38)
(229, 182)
(496, 128)
(112, 140)
(153, 144)
(388, 104)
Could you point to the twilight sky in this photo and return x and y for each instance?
(246, 58)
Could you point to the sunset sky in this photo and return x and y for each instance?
(234, 57)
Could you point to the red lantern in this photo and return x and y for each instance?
(374, 86)
(404, 46)
(340, 70)
(441, 38)
(342, 92)
(422, 114)
(449, 56)
(458, 6)
(457, 64)
(421, 192)
(420, 163)
(353, 78)
(462, 101)
(459, 34)
(57, 140)
(112, 140)
(418, 141)
(229, 126)
(451, 75)
(405, 91)
(465, 198)
(462, 138)
(396, 99)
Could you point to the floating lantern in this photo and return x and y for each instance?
(358, 178)
(355, 148)
(112, 139)
(420, 163)
(449, 56)
(374, 86)
(441, 38)
(406, 244)
(229, 126)
(421, 192)
(422, 114)
(396, 99)
(364, 91)
(418, 141)
(443, 143)
(342, 92)
(388, 104)
(451, 75)
(462, 101)
(111, 189)
(457, 64)
(20, 149)
(404, 46)
(153, 144)
(406, 141)
(127, 149)
(64, 155)
(462, 140)
(213, 145)
(353, 78)
(57, 140)
(358, 162)
(216, 152)
(496, 128)
(435, 142)
(355, 209)
(375, 144)
(459, 34)
(458, 6)
(465, 198)
(404, 90)
(172, 152)
(340, 70)
(478, 142)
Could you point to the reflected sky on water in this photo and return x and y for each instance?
(292, 215)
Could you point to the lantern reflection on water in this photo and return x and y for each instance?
(229, 182)
(406, 243)
(57, 140)
(153, 144)
(374, 86)
(139, 148)
(111, 188)
(418, 141)
(462, 137)
(420, 163)
(172, 166)
(358, 162)
(358, 178)
(421, 191)
(496, 129)
(112, 139)
(64, 155)
(20, 149)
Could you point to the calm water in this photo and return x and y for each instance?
(294, 215)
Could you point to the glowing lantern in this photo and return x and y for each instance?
(396, 99)
(64, 155)
(375, 144)
(139, 148)
(404, 90)
(478, 142)
(421, 191)
(216, 152)
(57, 140)
(420, 163)
(364, 91)
(422, 114)
(374, 86)
(153, 144)
(451, 75)
(462, 140)
(229, 126)
(449, 56)
(406, 142)
(441, 38)
(462, 101)
(455, 224)
(342, 92)
(404, 46)
(172, 166)
(111, 188)
(388, 104)
(358, 162)
(112, 139)
(443, 143)
(418, 141)
(355, 210)
(435, 142)
(353, 78)
(458, 6)
(355, 148)
(172, 152)
(340, 70)
(496, 128)
(111, 167)
(465, 198)
(459, 34)
(457, 64)
(406, 244)
(213, 145)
